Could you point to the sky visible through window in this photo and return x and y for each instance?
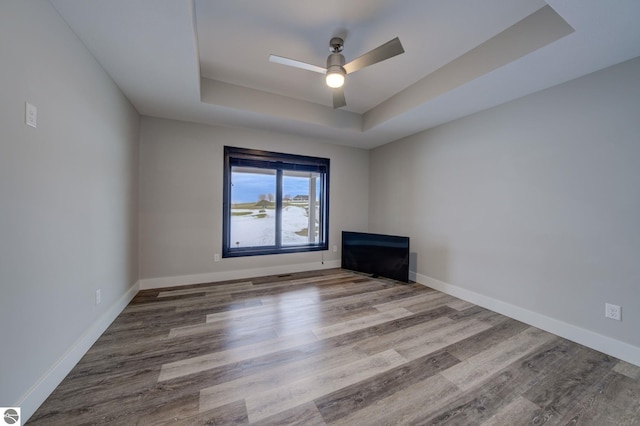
(247, 187)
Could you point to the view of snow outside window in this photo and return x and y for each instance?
(253, 203)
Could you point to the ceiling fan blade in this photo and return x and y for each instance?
(338, 98)
(379, 54)
(297, 64)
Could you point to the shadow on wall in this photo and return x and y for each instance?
(435, 264)
(413, 265)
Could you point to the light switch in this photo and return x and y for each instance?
(31, 115)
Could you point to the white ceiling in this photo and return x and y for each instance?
(206, 61)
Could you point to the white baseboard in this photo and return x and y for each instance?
(41, 390)
(599, 342)
(162, 282)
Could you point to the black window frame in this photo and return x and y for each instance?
(280, 162)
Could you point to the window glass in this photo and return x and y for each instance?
(301, 207)
(253, 207)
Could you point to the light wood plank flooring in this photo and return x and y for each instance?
(337, 348)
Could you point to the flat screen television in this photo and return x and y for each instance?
(376, 254)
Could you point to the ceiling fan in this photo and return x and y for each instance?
(336, 69)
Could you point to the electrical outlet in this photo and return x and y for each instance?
(98, 296)
(216, 257)
(30, 115)
(613, 311)
(335, 249)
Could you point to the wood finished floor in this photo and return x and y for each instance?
(337, 348)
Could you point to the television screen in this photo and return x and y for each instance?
(376, 254)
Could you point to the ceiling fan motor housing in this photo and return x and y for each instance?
(335, 61)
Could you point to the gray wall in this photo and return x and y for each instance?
(181, 172)
(68, 196)
(535, 203)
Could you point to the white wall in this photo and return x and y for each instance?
(532, 207)
(181, 171)
(68, 201)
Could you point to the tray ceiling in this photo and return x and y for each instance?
(207, 61)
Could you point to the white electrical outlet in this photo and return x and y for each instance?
(613, 311)
(335, 249)
(216, 257)
(98, 296)
(30, 115)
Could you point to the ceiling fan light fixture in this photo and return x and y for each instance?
(337, 68)
(335, 76)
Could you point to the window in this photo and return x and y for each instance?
(274, 203)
